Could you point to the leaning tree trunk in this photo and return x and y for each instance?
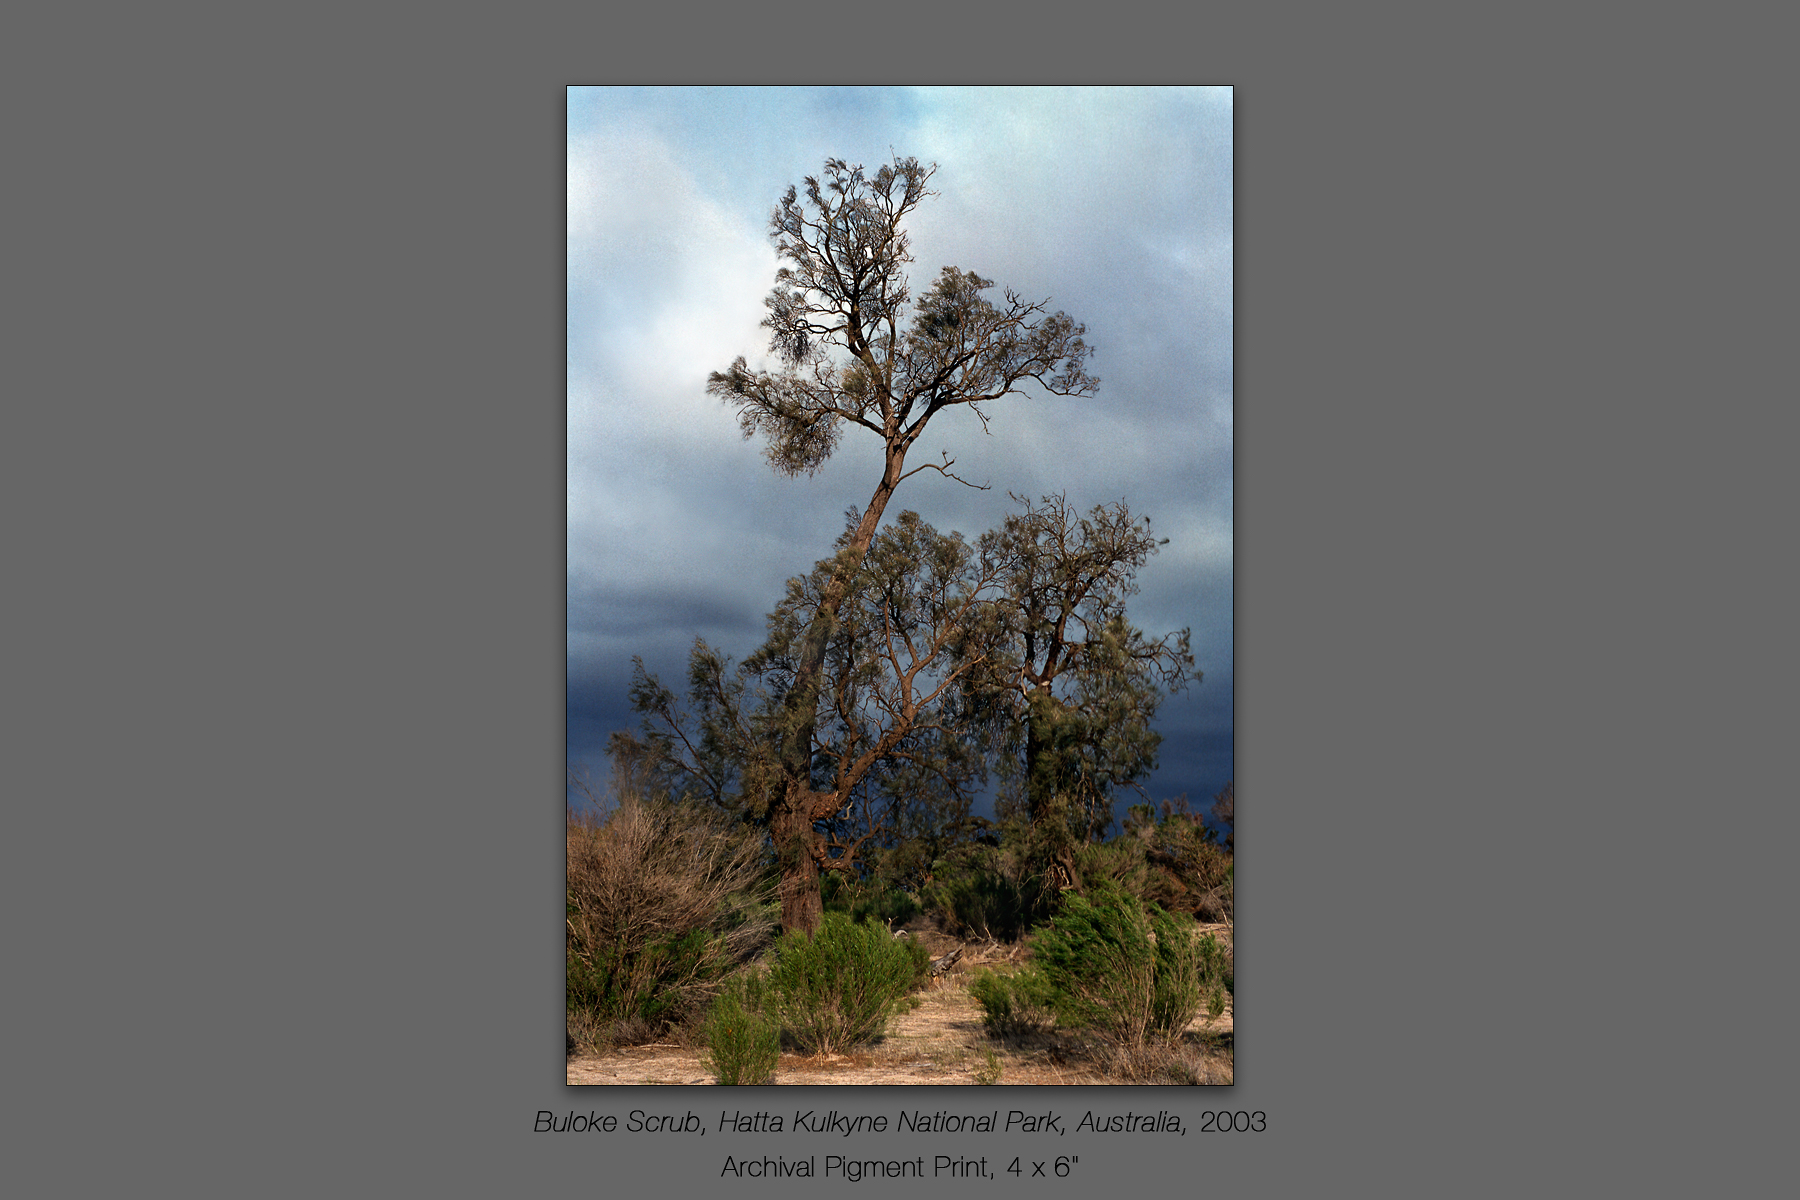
(801, 849)
(802, 903)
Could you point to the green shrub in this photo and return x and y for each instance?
(985, 902)
(890, 907)
(1101, 965)
(1016, 1004)
(744, 1043)
(650, 982)
(839, 987)
(1118, 864)
(868, 900)
(1130, 971)
(1215, 974)
(1180, 982)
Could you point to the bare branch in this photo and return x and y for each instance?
(945, 470)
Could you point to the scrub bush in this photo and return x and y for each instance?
(1014, 1005)
(868, 900)
(744, 1043)
(986, 904)
(1130, 971)
(663, 901)
(839, 987)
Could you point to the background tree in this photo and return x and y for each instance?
(855, 351)
(1224, 812)
(1080, 685)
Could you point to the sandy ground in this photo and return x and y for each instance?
(940, 1042)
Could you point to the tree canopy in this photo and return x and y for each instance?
(853, 351)
(1082, 683)
(892, 738)
(945, 660)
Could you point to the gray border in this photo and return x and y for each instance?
(287, 675)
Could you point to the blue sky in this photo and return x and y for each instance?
(1115, 204)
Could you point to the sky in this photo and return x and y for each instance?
(1114, 204)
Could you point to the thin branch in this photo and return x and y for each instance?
(945, 470)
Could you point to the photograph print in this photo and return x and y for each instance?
(900, 721)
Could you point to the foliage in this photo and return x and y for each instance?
(890, 734)
(663, 899)
(715, 750)
(653, 983)
(985, 903)
(1082, 684)
(1185, 868)
(1001, 892)
(905, 857)
(996, 891)
(1129, 971)
(1101, 965)
(894, 764)
(1224, 812)
(1116, 864)
(843, 288)
(870, 899)
(1215, 973)
(1016, 1004)
(838, 987)
(743, 1041)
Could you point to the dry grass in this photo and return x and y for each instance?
(651, 872)
(654, 869)
(1190, 1060)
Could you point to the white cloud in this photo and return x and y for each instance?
(665, 286)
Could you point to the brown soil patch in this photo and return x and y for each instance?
(940, 1042)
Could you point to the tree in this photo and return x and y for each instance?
(1224, 811)
(890, 738)
(854, 351)
(1080, 683)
